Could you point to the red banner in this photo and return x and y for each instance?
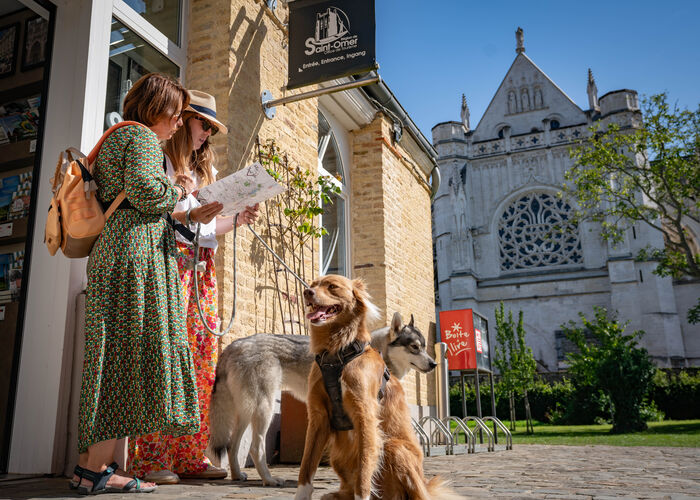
(457, 331)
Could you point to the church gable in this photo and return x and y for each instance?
(525, 98)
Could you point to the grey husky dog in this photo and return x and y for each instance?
(253, 369)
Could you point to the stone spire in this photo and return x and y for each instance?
(465, 113)
(519, 39)
(592, 91)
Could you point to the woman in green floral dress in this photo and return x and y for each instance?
(138, 375)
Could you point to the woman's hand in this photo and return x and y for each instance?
(206, 213)
(249, 215)
(185, 181)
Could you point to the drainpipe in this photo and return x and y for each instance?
(381, 93)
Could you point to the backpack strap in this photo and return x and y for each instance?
(115, 204)
(95, 151)
(61, 167)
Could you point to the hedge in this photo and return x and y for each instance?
(674, 395)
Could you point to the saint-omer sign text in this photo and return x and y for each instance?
(329, 39)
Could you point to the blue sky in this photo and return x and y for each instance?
(430, 52)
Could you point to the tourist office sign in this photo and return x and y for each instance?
(329, 39)
(466, 335)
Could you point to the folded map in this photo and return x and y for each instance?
(246, 187)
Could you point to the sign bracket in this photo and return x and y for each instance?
(269, 103)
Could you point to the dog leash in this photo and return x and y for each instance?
(196, 272)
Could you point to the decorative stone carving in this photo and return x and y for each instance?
(465, 113)
(519, 38)
(592, 91)
(525, 100)
(512, 104)
(476, 246)
(535, 231)
(538, 98)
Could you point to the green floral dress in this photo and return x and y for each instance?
(138, 375)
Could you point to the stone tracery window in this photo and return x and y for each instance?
(535, 231)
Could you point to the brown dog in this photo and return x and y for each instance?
(380, 456)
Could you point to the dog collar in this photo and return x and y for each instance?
(331, 369)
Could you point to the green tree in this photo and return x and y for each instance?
(611, 364)
(514, 361)
(647, 174)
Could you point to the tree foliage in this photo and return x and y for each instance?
(611, 365)
(514, 360)
(648, 174)
(305, 195)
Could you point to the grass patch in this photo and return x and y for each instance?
(683, 433)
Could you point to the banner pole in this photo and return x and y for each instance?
(268, 103)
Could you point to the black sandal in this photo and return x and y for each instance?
(78, 471)
(99, 483)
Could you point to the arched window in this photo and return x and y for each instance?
(333, 251)
(536, 231)
(554, 124)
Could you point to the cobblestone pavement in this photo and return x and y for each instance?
(528, 471)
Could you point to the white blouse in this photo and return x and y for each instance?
(207, 233)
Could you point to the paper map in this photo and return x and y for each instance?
(246, 187)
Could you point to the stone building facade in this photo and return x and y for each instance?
(498, 203)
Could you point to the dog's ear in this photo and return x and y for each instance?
(395, 326)
(363, 298)
(410, 323)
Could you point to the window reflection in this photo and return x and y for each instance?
(164, 15)
(328, 149)
(333, 244)
(130, 57)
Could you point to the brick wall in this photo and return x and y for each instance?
(235, 52)
(390, 246)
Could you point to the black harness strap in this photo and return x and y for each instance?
(176, 225)
(331, 369)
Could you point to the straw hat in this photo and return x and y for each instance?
(205, 106)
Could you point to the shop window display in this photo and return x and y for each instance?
(24, 54)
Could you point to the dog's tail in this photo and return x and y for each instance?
(219, 421)
(439, 489)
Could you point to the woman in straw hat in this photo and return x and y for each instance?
(161, 458)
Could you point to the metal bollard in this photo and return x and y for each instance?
(443, 386)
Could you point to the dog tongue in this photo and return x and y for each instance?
(313, 316)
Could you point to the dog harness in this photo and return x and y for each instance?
(331, 370)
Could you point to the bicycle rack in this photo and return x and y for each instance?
(469, 438)
(436, 430)
(482, 426)
(498, 424)
(422, 437)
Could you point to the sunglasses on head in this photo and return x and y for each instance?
(207, 125)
